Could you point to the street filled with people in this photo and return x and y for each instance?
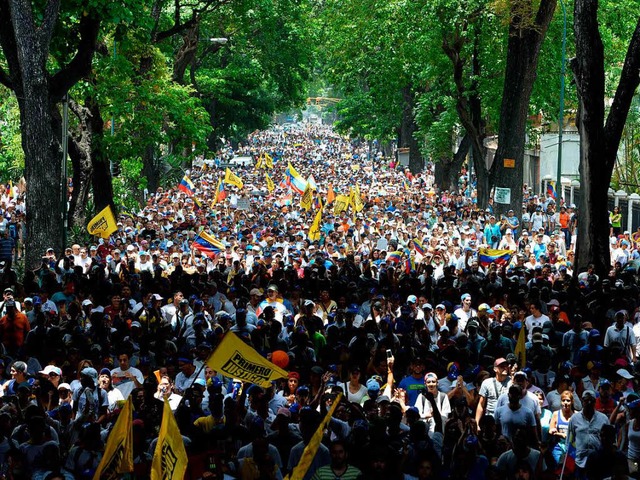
(458, 344)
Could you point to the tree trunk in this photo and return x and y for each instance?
(483, 187)
(150, 168)
(599, 139)
(101, 180)
(79, 155)
(186, 54)
(526, 33)
(43, 160)
(25, 40)
(90, 167)
(408, 128)
(447, 170)
(469, 106)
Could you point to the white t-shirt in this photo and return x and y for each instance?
(531, 322)
(124, 384)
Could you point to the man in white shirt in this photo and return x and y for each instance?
(169, 310)
(125, 377)
(187, 376)
(622, 333)
(536, 319)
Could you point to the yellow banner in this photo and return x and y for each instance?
(270, 185)
(118, 452)
(268, 160)
(314, 229)
(232, 179)
(341, 204)
(103, 224)
(311, 449)
(169, 458)
(358, 205)
(236, 359)
(520, 350)
(306, 201)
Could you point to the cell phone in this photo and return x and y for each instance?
(389, 353)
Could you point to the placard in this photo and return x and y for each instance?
(244, 203)
(509, 163)
(502, 196)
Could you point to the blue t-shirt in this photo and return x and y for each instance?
(412, 386)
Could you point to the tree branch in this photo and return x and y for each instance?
(13, 78)
(5, 79)
(49, 22)
(208, 7)
(80, 65)
(544, 13)
(629, 81)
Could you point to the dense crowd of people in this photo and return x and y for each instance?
(391, 312)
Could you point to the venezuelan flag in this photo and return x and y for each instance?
(312, 182)
(208, 245)
(186, 186)
(487, 256)
(221, 194)
(296, 182)
(409, 265)
(551, 189)
(395, 257)
(418, 246)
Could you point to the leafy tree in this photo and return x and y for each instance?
(528, 24)
(11, 154)
(600, 132)
(27, 32)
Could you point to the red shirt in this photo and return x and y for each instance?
(14, 330)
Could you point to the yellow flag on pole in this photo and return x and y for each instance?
(314, 229)
(270, 185)
(232, 179)
(520, 350)
(103, 224)
(306, 201)
(311, 449)
(118, 452)
(268, 160)
(236, 359)
(358, 205)
(169, 458)
(341, 204)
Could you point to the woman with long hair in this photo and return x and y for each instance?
(559, 425)
(630, 441)
(289, 390)
(354, 390)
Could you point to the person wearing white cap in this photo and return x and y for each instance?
(52, 373)
(144, 264)
(418, 313)
(508, 242)
(465, 312)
